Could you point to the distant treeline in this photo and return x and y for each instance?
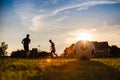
(103, 50)
(114, 51)
(33, 54)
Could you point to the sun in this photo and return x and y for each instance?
(84, 36)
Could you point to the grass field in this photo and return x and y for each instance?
(60, 69)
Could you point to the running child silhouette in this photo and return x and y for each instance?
(52, 49)
(26, 41)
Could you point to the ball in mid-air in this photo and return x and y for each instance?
(83, 49)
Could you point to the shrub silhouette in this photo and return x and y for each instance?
(18, 54)
(33, 54)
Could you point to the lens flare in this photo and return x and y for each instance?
(48, 60)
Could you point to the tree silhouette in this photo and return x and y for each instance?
(3, 49)
(114, 51)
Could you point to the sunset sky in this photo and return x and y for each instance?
(60, 20)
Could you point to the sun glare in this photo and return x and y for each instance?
(84, 36)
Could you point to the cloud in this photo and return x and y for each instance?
(38, 19)
(31, 18)
(61, 19)
(103, 32)
(84, 5)
(54, 1)
(37, 23)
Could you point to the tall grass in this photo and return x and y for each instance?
(60, 69)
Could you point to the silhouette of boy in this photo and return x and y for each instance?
(52, 49)
(26, 42)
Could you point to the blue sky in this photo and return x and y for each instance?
(59, 20)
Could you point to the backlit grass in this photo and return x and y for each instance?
(60, 69)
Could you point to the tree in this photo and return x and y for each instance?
(3, 48)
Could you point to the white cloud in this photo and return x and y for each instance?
(61, 19)
(37, 23)
(31, 18)
(36, 20)
(42, 11)
(82, 6)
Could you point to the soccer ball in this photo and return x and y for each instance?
(83, 49)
